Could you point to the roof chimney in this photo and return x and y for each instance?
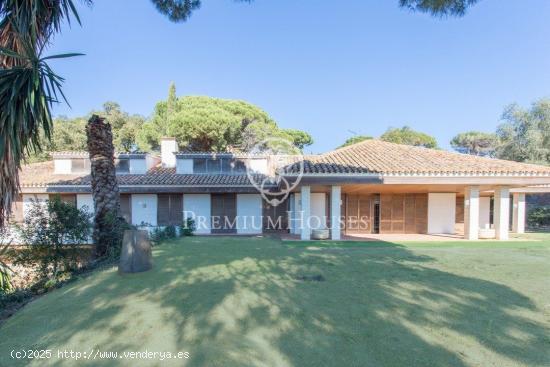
(168, 146)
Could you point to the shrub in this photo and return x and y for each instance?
(5, 271)
(53, 231)
(157, 235)
(539, 217)
(188, 227)
(170, 232)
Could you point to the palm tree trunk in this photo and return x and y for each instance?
(104, 186)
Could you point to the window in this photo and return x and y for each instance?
(122, 165)
(226, 165)
(199, 165)
(218, 165)
(80, 165)
(214, 165)
(169, 209)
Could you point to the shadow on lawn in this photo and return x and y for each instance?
(255, 302)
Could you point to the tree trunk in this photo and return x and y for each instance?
(105, 191)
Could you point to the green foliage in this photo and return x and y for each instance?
(188, 227)
(211, 124)
(475, 143)
(300, 138)
(70, 134)
(525, 134)
(354, 140)
(5, 271)
(170, 231)
(53, 232)
(408, 136)
(539, 217)
(439, 8)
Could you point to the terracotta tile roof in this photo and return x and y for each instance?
(41, 174)
(379, 157)
(367, 157)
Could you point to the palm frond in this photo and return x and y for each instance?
(28, 86)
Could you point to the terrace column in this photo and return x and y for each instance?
(518, 221)
(335, 198)
(502, 212)
(471, 213)
(305, 233)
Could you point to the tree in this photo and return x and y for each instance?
(106, 233)
(475, 143)
(354, 140)
(408, 136)
(525, 134)
(125, 127)
(300, 138)
(212, 124)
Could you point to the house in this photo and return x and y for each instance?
(369, 187)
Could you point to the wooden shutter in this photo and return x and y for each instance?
(421, 213)
(176, 209)
(398, 213)
(163, 209)
(410, 213)
(385, 213)
(223, 209)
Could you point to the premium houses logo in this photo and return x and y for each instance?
(281, 156)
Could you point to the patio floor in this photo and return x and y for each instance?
(388, 237)
(395, 237)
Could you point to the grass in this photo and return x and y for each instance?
(263, 302)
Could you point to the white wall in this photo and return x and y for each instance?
(62, 166)
(151, 161)
(28, 200)
(249, 213)
(138, 166)
(168, 146)
(441, 212)
(85, 200)
(198, 207)
(484, 212)
(144, 209)
(184, 166)
(318, 211)
(258, 165)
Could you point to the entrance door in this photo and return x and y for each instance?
(224, 212)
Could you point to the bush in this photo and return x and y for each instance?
(188, 227)
(539, 217)
(53, 231)
(113, 236)
(170, 232)
(157, 235)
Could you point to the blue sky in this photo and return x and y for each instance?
(330, 68)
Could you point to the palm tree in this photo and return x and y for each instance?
(28, 86)
(106, 234)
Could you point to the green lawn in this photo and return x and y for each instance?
(263, 302)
